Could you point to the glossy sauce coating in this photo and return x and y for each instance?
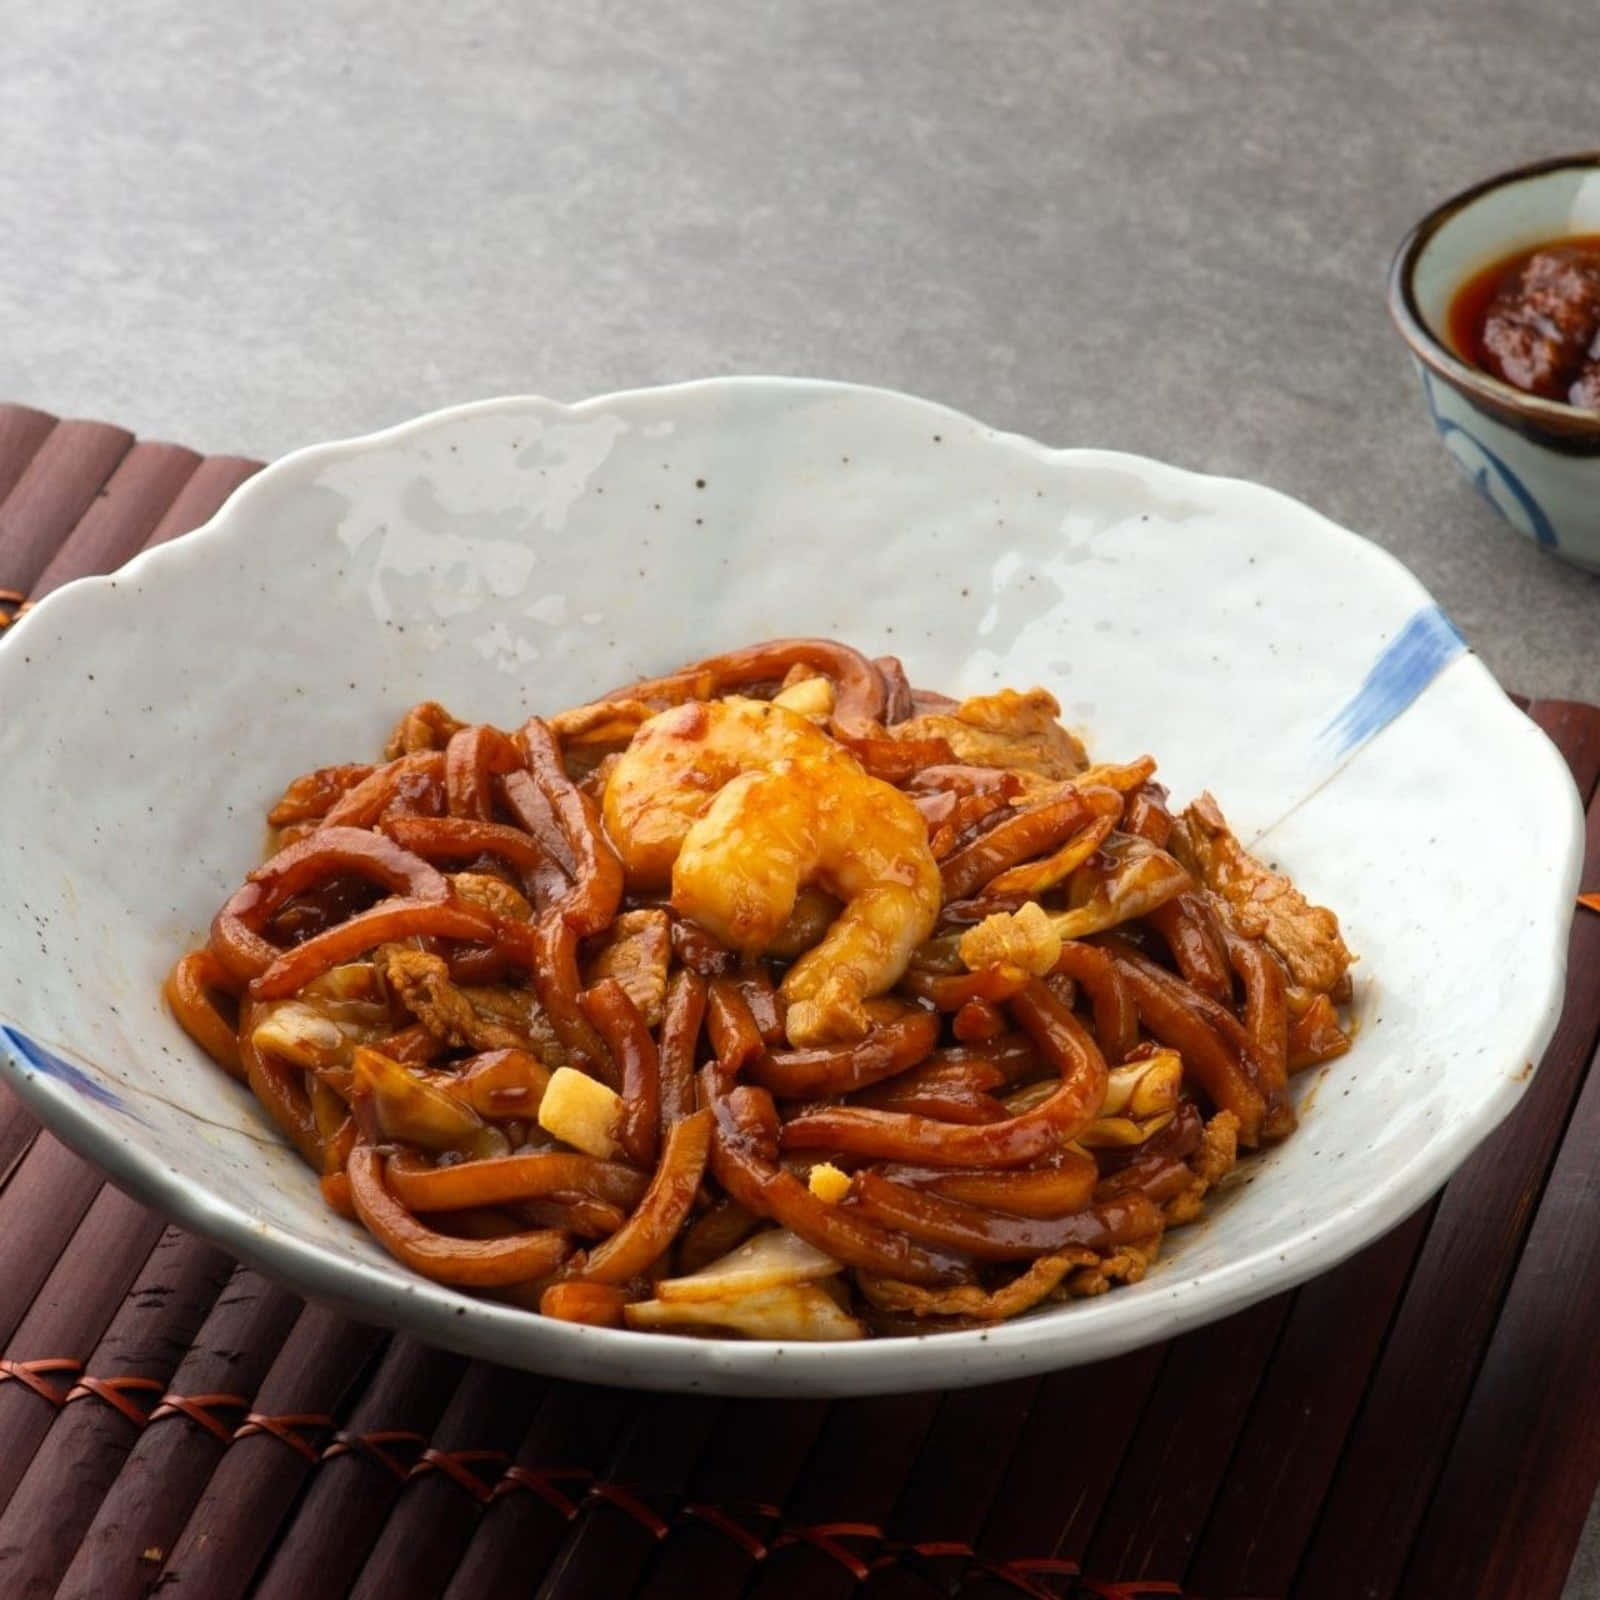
(851, 1010)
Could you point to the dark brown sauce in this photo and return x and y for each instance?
(323, 907)
(1499, 291)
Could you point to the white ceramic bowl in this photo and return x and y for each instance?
(518, 555)
(1537, 462)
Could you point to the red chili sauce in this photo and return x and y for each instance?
(1533, 320)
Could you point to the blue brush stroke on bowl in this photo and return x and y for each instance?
(51, 1065)
(1409, 663)
(1539, 525)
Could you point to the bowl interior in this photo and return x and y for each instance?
(1499, 221)
(519, 556)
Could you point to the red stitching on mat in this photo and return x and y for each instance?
(1014, 1575)
(584, 1491)
(284, 1429)
(27, 1373)
(115, 1391)
(455, 1465)
(825, 1536)
(542, 1482)
(1035, 1578)
(626, 1500)
(719, 1519)
(197, 1408)
(374, 1447)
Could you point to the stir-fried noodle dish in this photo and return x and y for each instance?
(774, 999)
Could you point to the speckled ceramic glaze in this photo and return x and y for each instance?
(517, 556)
(1537, 462)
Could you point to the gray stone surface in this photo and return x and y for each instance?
(1132, 223)
(1125, 222)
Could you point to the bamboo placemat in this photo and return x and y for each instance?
(1422, 1421)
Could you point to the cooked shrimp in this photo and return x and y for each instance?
(675, 765)
(742, 804)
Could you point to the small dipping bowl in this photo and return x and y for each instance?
(1536, 461)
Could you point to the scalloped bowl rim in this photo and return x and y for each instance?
(891, 1364)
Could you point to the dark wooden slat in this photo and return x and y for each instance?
(435, 1517)
(1574, 728)
(1269, 1497)
(122, 516)
(89, 1440)
(575, 1429)
(953, 1482)
(345, 1507)
(69, 1315)
(56, 488)
(855, 1473)
(255, 1483)
(609, 1546)
(202, 496)
(1056, 1482)
(753, 1459)
(144, 1511)
(39, 1208)
(1431, 1357)
(1416, 1398)
(22, 431)
(1181, 1448)
(18, 1129)
(1523, 1468)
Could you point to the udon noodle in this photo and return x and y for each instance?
(773, 998)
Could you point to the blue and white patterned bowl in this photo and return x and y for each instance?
(1537, 462)
(517, 555)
